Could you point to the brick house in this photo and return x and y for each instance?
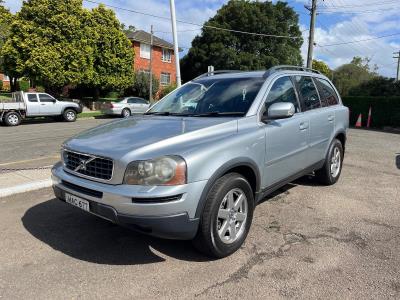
(163, 64)
(6, 80)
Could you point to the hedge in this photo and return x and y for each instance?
(385, 110)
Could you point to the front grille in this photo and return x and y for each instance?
(82, 190)
(88, 165)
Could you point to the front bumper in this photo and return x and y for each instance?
(137, 207)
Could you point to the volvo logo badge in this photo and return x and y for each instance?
(83, 164)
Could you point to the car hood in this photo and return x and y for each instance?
(118, 138)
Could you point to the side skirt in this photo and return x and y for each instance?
(265, 192)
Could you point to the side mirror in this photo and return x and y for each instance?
(280, 110)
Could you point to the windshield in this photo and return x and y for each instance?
(211, 97)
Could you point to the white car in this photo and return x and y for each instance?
(126, 107)
(31, 105)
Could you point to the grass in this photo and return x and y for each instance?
(90, 114)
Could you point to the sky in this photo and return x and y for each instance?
(344, 28)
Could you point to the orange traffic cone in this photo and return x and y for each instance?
(358, 123)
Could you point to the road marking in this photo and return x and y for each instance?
(28, 160)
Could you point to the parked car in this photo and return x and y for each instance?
(198, 173)
(126, 107)
(30, 105)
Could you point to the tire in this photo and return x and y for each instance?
(329, 174)
(215, 236)
(126, 113)
(69, 115)
(12, 118)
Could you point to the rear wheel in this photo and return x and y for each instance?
(12, 119)
(69, 115)
(329, 174)
(126, 113)
(226, 217)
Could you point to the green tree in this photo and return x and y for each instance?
(5, 21)
(230, 50)
(319, 65)
(141, 86)
(48, 43)
(349, 76)
(113, 53)
(377, 87)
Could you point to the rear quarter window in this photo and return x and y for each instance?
(308, 93)
(326, 92)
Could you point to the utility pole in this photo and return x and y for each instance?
(398, 65)
(151, 65)
(313, 12)
(176, 48)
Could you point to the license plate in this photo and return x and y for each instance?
(76, 201)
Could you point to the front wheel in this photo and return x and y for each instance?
(126, 113)
(226, 217)
(69, 115)
(329, 174)
(12, 119)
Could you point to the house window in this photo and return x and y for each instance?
(145, 51)
(166, 55)
(165, 79)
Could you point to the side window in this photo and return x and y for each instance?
(282, 91)
(45, 98)
(131, 100)
(32, 98)
(142, 101)
(327, 93)
(308, 93)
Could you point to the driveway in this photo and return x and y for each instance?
(307, 241)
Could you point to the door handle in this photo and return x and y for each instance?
(330, 118)
(303, 125)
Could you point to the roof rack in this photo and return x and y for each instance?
(217, 72)
(288, 67)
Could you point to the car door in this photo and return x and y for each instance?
(286, 139)
(322, 119)
(33, 105)
(144, 105)
(48, 105)
(133, 105)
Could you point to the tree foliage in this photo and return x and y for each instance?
(230, 50)
(141, 86)
(58, 43)
(349, 76)
(5, 21)
(113, 53)
(377, 87)
(319, 65)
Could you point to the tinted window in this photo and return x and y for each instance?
(326, 92)
(142, 101)
(137, 101)
(308, 93)
(32, 98)
(132, 100)
(45, 98)
(282, 91)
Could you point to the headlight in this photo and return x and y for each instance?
(165, 170)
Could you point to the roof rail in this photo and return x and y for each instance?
(217, 72)
(288, 67)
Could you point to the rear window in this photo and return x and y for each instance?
(326, 92)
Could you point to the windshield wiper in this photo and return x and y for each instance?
(167, 113)
(219, 114)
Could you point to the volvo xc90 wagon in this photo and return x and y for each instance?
(196, 164)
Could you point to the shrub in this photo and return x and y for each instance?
(141, 87)
(113, 94)
(385, 110)
(23, 85)
(1, 85)
(166, 90)
(40, 89)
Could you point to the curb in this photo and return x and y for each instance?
(27, 187)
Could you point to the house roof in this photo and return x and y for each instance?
(145, 37)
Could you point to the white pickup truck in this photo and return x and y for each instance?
(30, 105)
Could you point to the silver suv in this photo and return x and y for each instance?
(198, 162)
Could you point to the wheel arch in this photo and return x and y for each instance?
(243, 166)
(341, 136)
(69, 107)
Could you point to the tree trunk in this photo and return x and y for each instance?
(96, 94)
(13, 84)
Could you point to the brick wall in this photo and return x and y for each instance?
(6, 84)
(158, 65)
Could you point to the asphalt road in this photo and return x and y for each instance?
(37, 143)
(307, 241)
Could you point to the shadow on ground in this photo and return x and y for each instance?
(89, 238)
(398, 160)
(92, 239)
